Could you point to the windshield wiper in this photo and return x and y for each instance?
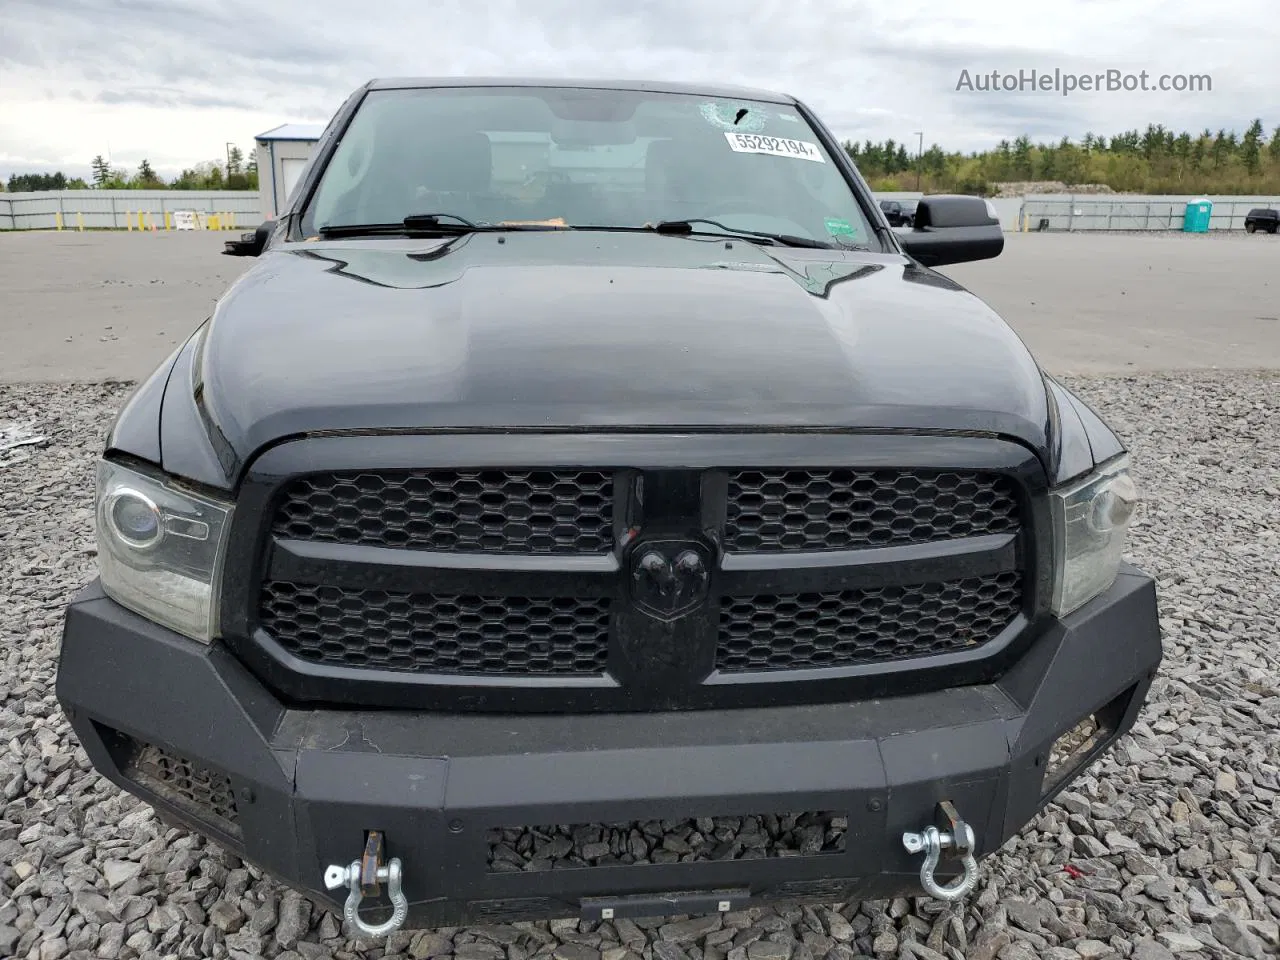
(426, 224)
(686, 228)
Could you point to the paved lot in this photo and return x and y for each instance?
(95, 306)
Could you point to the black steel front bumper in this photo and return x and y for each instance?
(308, 784)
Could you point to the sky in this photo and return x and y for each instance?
(173, 81)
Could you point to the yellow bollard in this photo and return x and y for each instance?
(80, 221)
(166, 221)
(57, 219)
(141, 225)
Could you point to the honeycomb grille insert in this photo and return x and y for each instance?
(780, 510)
(186, 784)
(481, 511)
(877, 625)
(427, 633)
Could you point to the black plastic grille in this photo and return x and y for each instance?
(877, 625)
(479, 511)
(184, 783)
(427, 633)
(777, 510)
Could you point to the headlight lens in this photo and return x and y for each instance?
(1090, 519)
(160, 548)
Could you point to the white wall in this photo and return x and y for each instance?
(280, 163)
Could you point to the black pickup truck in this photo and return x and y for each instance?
(896, 213)
(588, 505)
(1262, 218)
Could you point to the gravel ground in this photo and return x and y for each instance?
(1167, 848)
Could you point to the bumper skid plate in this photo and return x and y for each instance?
(674, 812)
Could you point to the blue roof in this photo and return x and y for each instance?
(293, 131)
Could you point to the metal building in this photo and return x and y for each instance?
(282, 156)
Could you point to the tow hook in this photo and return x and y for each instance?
(957, 839)
(363, 877)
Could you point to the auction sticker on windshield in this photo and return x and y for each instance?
(774, 146)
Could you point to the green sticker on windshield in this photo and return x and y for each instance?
(838, 228)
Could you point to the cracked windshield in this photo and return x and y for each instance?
(598, 159)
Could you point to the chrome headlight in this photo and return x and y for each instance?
(160, 548)
(1090, 519)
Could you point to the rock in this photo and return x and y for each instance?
(1118, 843)
(427, 945)
(294, 916)
(920, 951)
(120, 872)
(93, 906)
(1177, 942)
(1147, 949)
(884, 945)
(1028, 916)
(690, 931)
(483, 950)
(1087, 846)
(838, 927)
(1093, 949)
(263, 919)
(226, 916)
(1233, 934)
(769, 950)
(1267, 930)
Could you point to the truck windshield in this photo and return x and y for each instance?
(573, 157)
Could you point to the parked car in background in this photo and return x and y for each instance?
(1262, 218)
(897, 213)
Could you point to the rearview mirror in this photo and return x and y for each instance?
(250, 244)
(953, 229)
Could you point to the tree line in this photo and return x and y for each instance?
(235, 174)
(1156, 160)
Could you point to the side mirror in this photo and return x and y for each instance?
(953, 229)
(250, 244)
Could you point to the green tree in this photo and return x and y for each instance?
(235, 159)
(1251, 147)
(31, 182)
(101, 171)
(146, 178)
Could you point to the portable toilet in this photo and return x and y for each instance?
(1196, 219)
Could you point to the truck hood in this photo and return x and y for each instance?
(573, 330)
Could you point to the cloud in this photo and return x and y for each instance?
(180, 78)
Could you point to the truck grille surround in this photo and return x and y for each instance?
(532, 587)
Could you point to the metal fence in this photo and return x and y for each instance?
(1122, 212)
(127, 209)
(240, 210)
